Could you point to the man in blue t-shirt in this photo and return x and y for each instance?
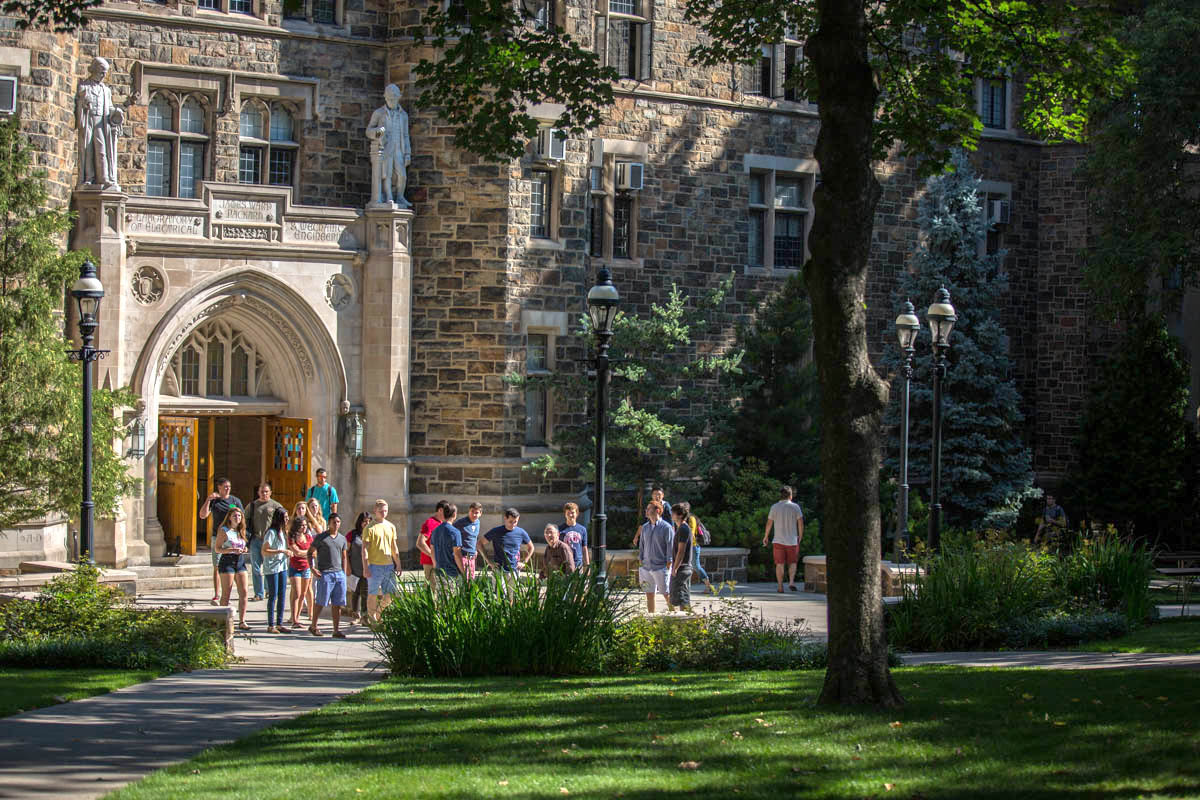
(468, 526)
(447, 544)
(575, 537)
(511, 545)
(324, 493)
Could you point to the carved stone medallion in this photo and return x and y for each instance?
(339, 291)
(148, 285)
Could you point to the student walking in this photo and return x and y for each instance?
(681, 561)
(656, 496)
(694, 526)
(258, 520)
(575, 536)
(299, 571)
(654, 551)
(218, 505)
(357, 594)
(231, 544)
(331, 553)
(468, 526)
(788, 521)
(273, 549)
(324, 493)
(382, 556)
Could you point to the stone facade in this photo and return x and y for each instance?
(436, 307)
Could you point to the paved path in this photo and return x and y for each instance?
(1055, 659)
(90, 747)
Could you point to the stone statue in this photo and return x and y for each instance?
(391, 151)
(99, 124)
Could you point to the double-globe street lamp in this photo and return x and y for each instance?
(602, 301)
(941, 320)
(88, 292)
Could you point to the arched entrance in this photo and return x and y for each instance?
(242, 380)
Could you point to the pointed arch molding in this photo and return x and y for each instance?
(256, 292)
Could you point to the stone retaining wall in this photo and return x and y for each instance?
(891, 576)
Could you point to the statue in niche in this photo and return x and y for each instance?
(391, 152)
(99, 124)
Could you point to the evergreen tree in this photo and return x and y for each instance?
(666, 397)
(986, 467)
(40, 394)
(1133, 445)
(778, 417)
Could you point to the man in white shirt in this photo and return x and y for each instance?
(788, 521)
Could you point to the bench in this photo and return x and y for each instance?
(1183, 578)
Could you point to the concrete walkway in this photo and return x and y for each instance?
(91, 747)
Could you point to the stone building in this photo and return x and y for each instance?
(262, 312)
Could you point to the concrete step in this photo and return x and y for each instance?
(180, 571)
(150, 585)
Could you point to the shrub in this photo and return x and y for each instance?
(563, 626)
(968, 594)
(77, 622)
(1064, 629)
(1111, 572)
(729, 637)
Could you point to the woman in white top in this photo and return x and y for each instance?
(231, 544)
(274, 548)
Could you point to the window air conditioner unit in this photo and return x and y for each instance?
(8, 94)
(1000, 212)
(630, 175)
(551, 144)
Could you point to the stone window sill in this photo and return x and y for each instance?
(537, 243)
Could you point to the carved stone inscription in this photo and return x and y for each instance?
(228, 210)
(165, 224)
(315, 232)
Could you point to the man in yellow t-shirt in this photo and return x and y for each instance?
(381, 561)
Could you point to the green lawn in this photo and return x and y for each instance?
(27, 689)
(1171, 635)
(977, 734)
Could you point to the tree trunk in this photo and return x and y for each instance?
(852, 395)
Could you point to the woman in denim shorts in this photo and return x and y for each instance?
(299, 571)
(231, 544)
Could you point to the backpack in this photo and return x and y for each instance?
(701, 532)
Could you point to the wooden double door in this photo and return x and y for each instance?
(189, 452)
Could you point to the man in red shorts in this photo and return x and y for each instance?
(788, 521)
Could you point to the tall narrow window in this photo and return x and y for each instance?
(993, 103)
(249, 164)
(539, 204)
(239, 383)
(596, 199)
(158, 168)
(215, 386)
(190, 371)
(537, 362)
(622, 221)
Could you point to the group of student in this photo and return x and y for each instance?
(305, 556)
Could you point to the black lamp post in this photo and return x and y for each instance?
(88, 292)
(602, 303)
(907, 326)
(941, 320)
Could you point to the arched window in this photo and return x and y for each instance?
(230, 362)
(268, 144)
(177, 146)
